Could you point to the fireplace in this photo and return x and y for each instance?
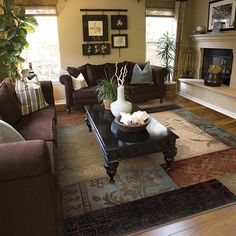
(224, 40)
(221, 57)
(221, 98)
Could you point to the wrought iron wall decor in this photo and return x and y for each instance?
(119, 22)
(95, 27)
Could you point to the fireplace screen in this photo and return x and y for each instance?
(221, 57)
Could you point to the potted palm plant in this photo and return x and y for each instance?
(14, 26)
(166, 47)
(107, 92)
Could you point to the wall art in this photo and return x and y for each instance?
(119, 40)
(119, 22)
(222, 13)
(95, 28)
(96, 49)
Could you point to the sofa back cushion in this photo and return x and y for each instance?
(76, 71)
(95, 73)
(9, 107)
(110, 68)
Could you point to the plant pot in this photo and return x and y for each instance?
(107, 104)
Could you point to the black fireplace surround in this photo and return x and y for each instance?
(222, 57)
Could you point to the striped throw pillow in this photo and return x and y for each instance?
(30, 95)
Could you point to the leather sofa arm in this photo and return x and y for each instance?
(25, 159)
(47, 89)
(66, 80)
(159, 74)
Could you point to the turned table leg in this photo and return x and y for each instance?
(88, 124)
(111, 169)
(169, 157)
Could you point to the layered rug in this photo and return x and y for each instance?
(205, 153)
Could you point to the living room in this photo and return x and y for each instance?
(58, 178)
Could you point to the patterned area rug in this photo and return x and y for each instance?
(129, 186)
(152, 211)
(203, 168)
(85, 186)
(169, 107)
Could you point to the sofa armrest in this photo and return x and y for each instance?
(24, 159)
(47, 89)
(159, 74)
(27, 192)
(66, 80)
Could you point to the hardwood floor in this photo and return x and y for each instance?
(215, 223)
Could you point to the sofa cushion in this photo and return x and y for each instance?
(110, 68)
(9, 108)
(8, 134)
(89, 92)
(36, 127)
(95, 73)
(130, 72)
(142, 76)
(76, 71)
(30, 95)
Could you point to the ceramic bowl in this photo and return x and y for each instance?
(131, 128)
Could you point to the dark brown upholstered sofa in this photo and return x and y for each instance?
(93, 74)
(29, 196)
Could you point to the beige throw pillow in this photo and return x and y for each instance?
(79, 82)
(8, 134)
(30, 95)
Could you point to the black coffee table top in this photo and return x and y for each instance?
(112, 139)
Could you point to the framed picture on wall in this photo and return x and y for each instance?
(119, 22)
(119, 40)
(95, 28)
(222, 13)
(96, 49)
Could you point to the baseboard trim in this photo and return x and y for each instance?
(209, 105)
(60, 102)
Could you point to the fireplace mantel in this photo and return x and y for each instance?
(223, 40)
(221, 99)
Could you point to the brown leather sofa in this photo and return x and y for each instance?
(93, 74)
(29, 199)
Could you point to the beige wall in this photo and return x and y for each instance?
(71, 32)
(196, 15)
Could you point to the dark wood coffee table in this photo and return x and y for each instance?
(117, 146)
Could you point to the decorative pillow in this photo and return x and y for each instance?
(76, 71)
(8, 134)
(9, 108)
(30, 95)
(142, 76)
(95, 73)
(79, 82)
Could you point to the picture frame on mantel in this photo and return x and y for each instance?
(95, 27)
(221, 12)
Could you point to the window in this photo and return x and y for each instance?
(43, 51)
(155, 27)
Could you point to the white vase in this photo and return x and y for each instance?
(120, 105)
